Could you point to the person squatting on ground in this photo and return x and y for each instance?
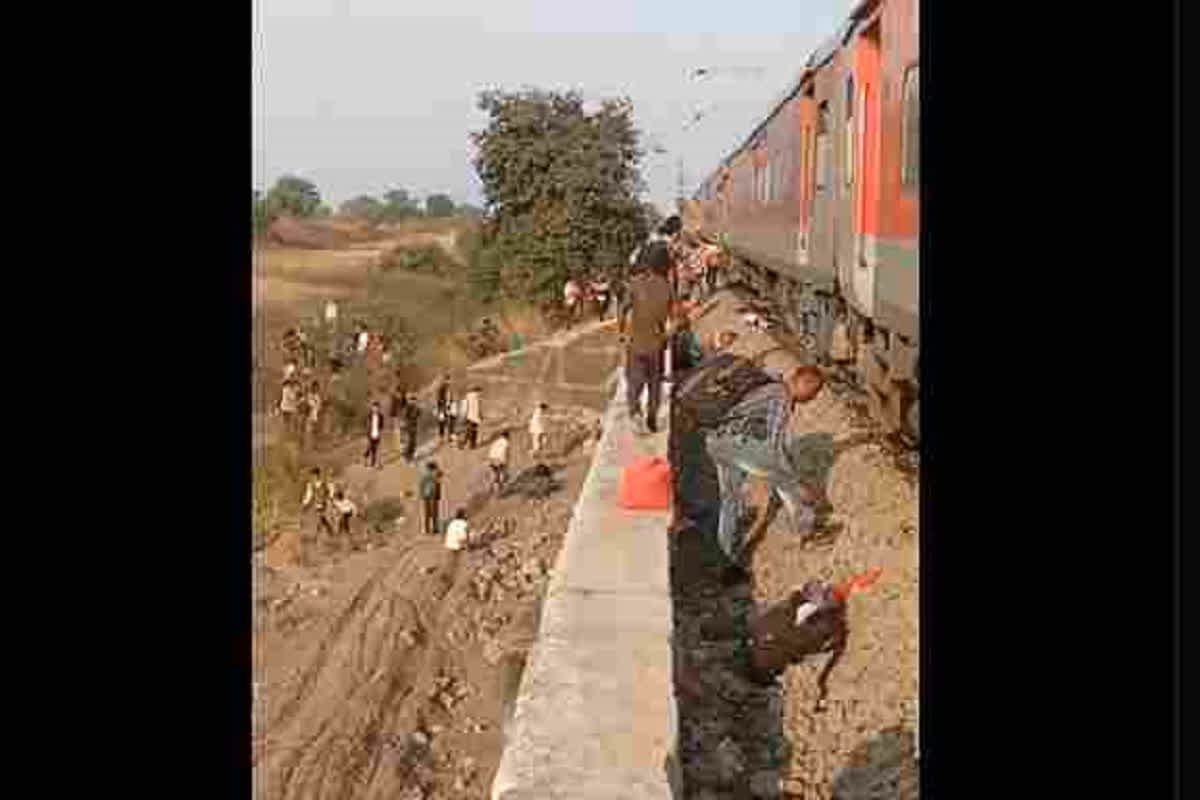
(316, 494)
(498, 460)
(430, 489)
(412, 421)
(473, 416)
(537, 429)
(374, 433)
(752, 440)
(646, 318)
(444, 406)
(345, 509)
(812, 620)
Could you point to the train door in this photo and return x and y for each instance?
(821, 241)
(865, 190)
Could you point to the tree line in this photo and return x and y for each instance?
(299, 197)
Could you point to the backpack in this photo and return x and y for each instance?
(705, 397)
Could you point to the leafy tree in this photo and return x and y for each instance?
(561, 187)
(398, 205)
(363, 207)
(438, 205)
(294, 196)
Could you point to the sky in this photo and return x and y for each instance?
(360, 96)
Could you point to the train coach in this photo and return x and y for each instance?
(820, 207)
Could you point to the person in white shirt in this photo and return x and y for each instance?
(345, 509)
(289, 405)
(473, 416)
(537, 428)
(374, 433)
(364, 339)
(331, 313)
(314, 410)
(498, 460)
(457, 533)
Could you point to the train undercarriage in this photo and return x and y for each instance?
(877, 363)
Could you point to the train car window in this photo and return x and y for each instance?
(910, 136)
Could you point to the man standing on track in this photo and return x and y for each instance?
(646, 318)
(316, 494)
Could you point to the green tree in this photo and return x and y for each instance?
(439, 205)
(561, 187)
(363, 207)
(398, 205)
(297, 197)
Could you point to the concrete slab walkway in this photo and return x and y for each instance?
(595, 716)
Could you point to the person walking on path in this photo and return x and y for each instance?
(751, 439)
(498, 461)
(412, 421)
(430, 490)
(374, 433)
(646, 318)
(473, 416)
(537, 429)
(444, 406)
(316, 495)
(331, 314)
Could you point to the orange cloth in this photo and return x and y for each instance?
(646, 485)
(857, 583)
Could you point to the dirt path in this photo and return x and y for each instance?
(382, 666)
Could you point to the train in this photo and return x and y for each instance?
(819, 208)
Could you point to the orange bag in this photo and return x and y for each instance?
(646, 485)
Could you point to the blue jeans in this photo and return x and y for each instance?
(737, 458)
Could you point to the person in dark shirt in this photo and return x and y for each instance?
(644, 330)
(412, 419)
(431, 497)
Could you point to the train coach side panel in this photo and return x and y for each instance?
(897, 300)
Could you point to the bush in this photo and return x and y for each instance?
(382, 512)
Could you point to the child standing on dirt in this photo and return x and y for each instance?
(430, 490)
(345, 509)
(374, 433)
(537, 429)
(498, 461)
(316, 494)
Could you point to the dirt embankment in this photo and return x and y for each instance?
(383, 667)
(741, 740)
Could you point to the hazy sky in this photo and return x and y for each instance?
(363, 95)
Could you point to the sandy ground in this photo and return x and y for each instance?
(382, 666)
(742, 741)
